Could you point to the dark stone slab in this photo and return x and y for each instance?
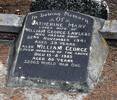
(54, 45)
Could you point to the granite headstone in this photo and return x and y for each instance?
(55, 46)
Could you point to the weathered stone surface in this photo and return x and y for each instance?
(106, 90)
(109, 30)
(86, 60)
(11, 23)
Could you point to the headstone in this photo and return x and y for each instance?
(58, 49)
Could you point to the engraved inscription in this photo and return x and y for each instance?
(55, 41)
